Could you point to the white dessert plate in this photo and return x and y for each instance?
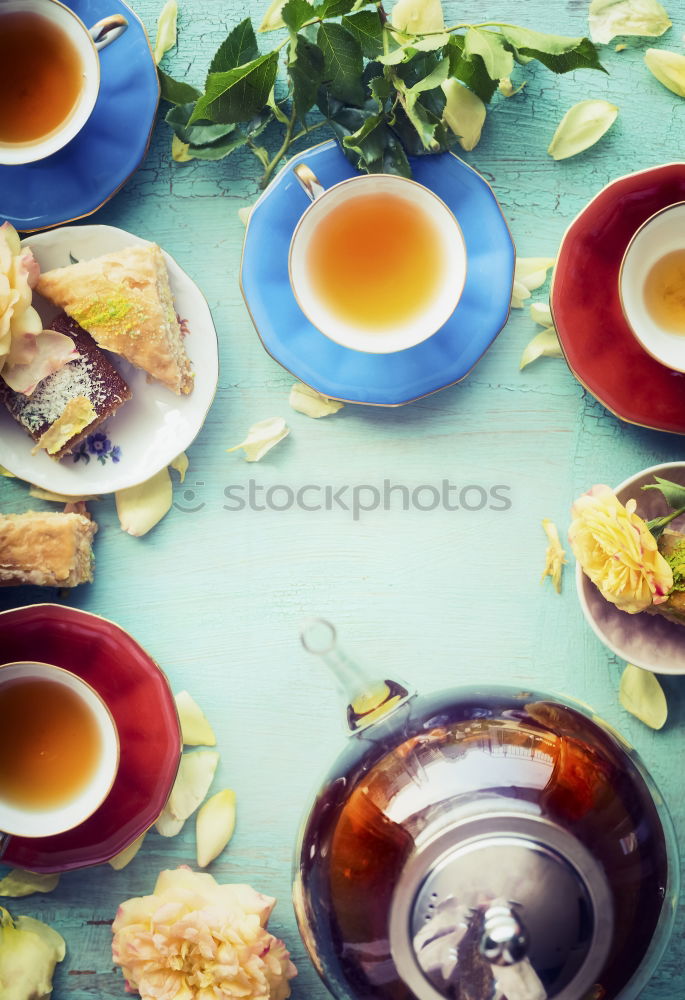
(155, 425)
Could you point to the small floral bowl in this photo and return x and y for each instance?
(647, 640)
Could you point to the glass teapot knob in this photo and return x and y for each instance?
(504, 940)
(368, 698)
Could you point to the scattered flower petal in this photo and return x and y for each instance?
(195, 775)
(6, 472)
(530, 273)
(195, 728)
(141, 507)
(167, 825)
(180, 151)
(124, 857)
(166, 30)
(543, 345)
(617, 551)
(41, 494)
(272, 20)
(507, 88)
(180, 464)
(609, 18)
(418, 17)
(29, 952)
(464, 113)
(620, 48)
(20, 883)
(262, 437)
(215, 824)
(641, 694)
(668, 68)
(555, 556)
(581, 127)
(541, 314)
(306, 400)
(196, 938)
(49, 351)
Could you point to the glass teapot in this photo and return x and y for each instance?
(485, 843)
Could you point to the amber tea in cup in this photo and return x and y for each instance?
(41, 76)
(651, 286)
(377, 263)
(59, 750)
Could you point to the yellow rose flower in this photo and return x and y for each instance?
(194, 939)
(616, 549)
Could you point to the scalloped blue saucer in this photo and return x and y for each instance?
(380, 379)
(81, 177)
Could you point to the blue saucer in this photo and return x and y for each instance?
(382, 379)
(82, 176)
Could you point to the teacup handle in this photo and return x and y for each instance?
(108, 30)
(308, 181)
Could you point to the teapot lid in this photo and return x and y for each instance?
(506, 905)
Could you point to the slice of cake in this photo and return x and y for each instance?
(124, 301)
(46, 549)
(68, 405)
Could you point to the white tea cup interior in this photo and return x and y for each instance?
(59, 750)
(652, 286)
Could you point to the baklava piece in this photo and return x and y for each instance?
(70, 404)
(123, 300)
(46, 549)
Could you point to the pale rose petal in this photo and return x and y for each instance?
(50, 351)
(141, 507)
(195, 775)
(215, 824)
(262, 437)
(21, 883)
(641, 694)
(195, 728)
(306, 400)
(124, 857)
(180, 464)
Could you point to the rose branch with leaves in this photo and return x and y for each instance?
(387, 85)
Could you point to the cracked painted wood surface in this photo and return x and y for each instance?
(441, 597)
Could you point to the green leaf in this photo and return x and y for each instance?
(306, 71)
(219, 149)
(641, 694)
(470, 70)
(609, 18)
(489, 45)
(343, 63)
(381, 90)
(369, 143)
(238, 94)
(437, 76)
(334, 8)
(368, 140)
(558, 53)
(366, 27)
(238, 48)
(196, 135)
(396, 56)
(176, 91)
(673, 493)
(581, 127)
(296, 13)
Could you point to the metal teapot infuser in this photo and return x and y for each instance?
(484, 843)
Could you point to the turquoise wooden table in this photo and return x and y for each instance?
(442, 597)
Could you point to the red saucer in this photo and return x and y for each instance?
(600, 348)
(139, 698)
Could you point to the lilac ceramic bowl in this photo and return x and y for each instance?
(648, 641)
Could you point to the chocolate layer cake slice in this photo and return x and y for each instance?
(70, 404)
